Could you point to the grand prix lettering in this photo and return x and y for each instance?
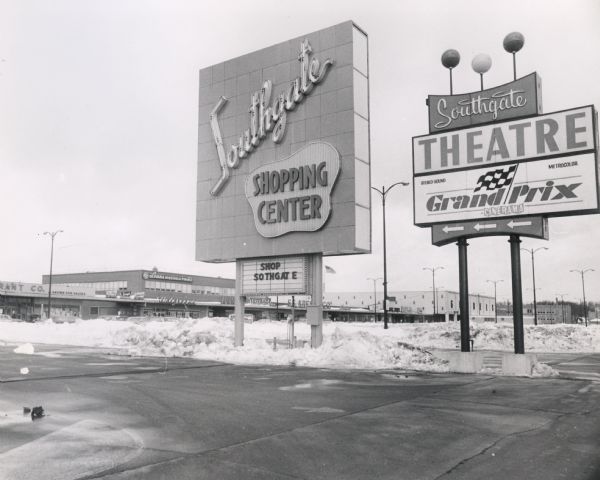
(521, 194)
(264, 117)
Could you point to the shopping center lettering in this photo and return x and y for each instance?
(294, 194)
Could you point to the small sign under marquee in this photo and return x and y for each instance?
(274, 276)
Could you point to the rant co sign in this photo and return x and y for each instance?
(285, 275)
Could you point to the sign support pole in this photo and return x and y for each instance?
(515, 263)
(316, 269)
(240, 302)
(463, 281)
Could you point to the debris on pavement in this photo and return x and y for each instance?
(37, 412)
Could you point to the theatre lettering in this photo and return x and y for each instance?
(559, 133)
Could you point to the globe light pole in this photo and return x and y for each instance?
(582, 273)
(375, 294)
(433, 269)
(481, 63)
(512, 43)
(52, 235)
(532, 251)
(383, 192)
(495, 303)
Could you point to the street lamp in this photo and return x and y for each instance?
(532, 251)
(52, 235)
(375, 294)
(383, 192)
(433, 269)
(582, 273)
(495, 304)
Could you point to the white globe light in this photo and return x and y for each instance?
(481, 63)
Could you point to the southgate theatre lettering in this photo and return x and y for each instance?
(530, 164)
(284, 164)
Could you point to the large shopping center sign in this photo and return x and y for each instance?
(284, 154)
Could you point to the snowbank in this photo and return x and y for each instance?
(345, 345)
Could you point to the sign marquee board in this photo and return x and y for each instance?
(284, 152)
(546, 165)
(275, 275)
(521, 98)
(549, 187)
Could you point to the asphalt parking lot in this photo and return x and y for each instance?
(116, 417)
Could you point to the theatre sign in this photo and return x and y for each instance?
(536, 165)
(284, 164)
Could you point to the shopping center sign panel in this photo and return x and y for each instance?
(284, 164)
(542, 165)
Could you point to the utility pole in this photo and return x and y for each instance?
(582, 273)
(375, 294)
(532, 251)
(433, 269)
(495, 303)
(52, 235)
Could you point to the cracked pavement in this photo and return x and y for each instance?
(116, 417)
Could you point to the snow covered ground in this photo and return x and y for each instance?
(345, 345)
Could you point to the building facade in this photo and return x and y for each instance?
(149, 293)
(415, 303)
(550, 313)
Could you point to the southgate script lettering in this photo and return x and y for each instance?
(480, 105)
(266, 117)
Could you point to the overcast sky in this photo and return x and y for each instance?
(98, 127)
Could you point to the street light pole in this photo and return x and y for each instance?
(375, 294)
(52, 235)
(383, 192)
(583, 272)
(532, 251)
(433, 269)
(495, 303)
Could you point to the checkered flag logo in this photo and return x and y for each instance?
(494, 179)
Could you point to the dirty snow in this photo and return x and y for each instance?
(26, 348)
(345, 345)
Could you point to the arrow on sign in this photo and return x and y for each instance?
(447, 229)
(483, 226)
(512, 224)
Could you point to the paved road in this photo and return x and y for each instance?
(116, 417)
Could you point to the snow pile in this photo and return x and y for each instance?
(345, 345)
(213, 340)
(27, 349)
